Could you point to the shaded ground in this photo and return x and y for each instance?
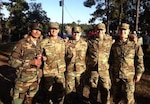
(7, 75)
(142, 93)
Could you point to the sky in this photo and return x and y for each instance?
(74, 10)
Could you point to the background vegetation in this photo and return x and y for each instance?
(111, 12)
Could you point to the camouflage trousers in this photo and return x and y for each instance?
(123, 91)
(24, 92)
(100, 88)
(52, 89)
(73, 82)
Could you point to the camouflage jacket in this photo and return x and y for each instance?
(25, 51)
(126, 59)
(98, 55)
(75, 55)
(54, 51)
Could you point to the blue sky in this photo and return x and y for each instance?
(74, 10)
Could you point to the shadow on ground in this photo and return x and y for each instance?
(141, 100)
(7, 77)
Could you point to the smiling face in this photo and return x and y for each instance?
(35, 33)
(53, 29)
(54, 32)
(36, 30)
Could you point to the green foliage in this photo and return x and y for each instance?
(21, 15)
(144, 19)
(36, 13)
(117, 11)
(89, 3)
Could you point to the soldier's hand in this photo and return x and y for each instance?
(44, 58)
(137, 78)
(66, 39)
(37, 62)
(133, 37)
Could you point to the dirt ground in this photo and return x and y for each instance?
(142, 92)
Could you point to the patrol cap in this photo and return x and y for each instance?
(76, 29)
(124, 26)
(53, 25)
(36, 26)
(101, 26)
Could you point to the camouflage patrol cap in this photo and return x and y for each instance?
(124, 26)
(101, 26)
(36, 26)
(76, 29)
(53, 25)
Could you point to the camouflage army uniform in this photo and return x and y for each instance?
(28, 76)
(75, 59)
(97, 63)
(126, 62)
(54, 68)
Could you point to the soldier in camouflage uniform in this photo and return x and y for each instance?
(97, 63)
(126, 66)
(53, 80)
(75, 60)
(26, 58)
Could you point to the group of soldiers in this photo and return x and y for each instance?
(51, 70)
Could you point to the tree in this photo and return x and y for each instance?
(114, 12)
(16, 21)
(137, 15)
(144, 20)
(78, 21)
(102, 12)
(21, 15)
(1, 4)
(37, 14)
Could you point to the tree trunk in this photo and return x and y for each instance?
(137, 15)
(108, 16)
